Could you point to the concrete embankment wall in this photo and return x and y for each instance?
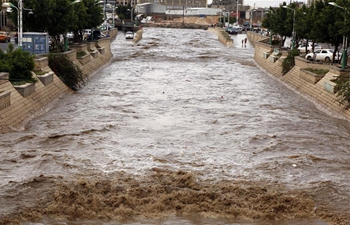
(223, 37)
(318, 89)
(19, 104)
(256, 37)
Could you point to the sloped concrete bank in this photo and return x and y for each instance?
(318, 89)
(223, 37)
(20, 104)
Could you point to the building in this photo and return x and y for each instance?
(150, 9)
(177, 4)
(230, 5)
(3, 18)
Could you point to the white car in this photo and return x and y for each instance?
(323, 55)
(129, 35)
(308, 48)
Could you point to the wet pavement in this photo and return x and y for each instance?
(178, 129)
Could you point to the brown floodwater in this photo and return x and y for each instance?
(178, 129)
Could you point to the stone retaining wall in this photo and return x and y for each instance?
(319, 90)
(18, 107)
(255, 37)
(225, 38)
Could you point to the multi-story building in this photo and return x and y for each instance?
(177, 4)
(3, 20)
(230, 5)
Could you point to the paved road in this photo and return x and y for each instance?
(4, 46)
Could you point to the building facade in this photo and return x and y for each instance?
(230, 5)
(177, 4)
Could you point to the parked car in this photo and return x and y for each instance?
(238, 28)
(94, 35)
(323, 55)
(232, 30)
(70, 36)
(5, 36)
(303, 48)
(129, 35)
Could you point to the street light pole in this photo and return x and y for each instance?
(293, 33)
(237, 12)
(345, 39)
(65, 35)
(20, 33)
(251, 20)
(223, 16)
(113, 15)
(19, 19)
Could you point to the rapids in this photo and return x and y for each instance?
(178, 129)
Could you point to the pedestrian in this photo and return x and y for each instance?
(16, 38)
(245, 42)
(242, 42)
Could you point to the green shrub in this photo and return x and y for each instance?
(276, 42)
(67, 71)
(40, 72)
(288, 63)
(18, 63)
(343, 93)
(317, 71)
(81, 54)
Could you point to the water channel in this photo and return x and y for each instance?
(178, 129)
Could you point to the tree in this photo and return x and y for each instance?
(18, 63)
(327, 25)
(57, 17)
(302, 24)
(275, 22)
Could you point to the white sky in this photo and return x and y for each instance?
(264, 3)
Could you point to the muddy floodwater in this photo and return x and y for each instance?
(178, 129)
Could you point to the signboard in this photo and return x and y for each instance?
(36, 43)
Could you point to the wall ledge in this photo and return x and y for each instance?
(84, 59)
(310, 77)
(47, 78)
(25, 89)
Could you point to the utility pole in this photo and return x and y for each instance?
(237, 12)
(183, 15)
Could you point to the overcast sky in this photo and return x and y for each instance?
(264, 3)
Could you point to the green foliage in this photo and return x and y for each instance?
(18, 63)
(276, 42)
(343, 93)
(288, 63)
(81, 54)
(317, 71)
(58, 17)
(40, 72)
(67, 71)
(321, 22)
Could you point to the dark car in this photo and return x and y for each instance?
(232, 30)
(95, 35)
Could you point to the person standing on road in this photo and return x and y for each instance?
(16, 38)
